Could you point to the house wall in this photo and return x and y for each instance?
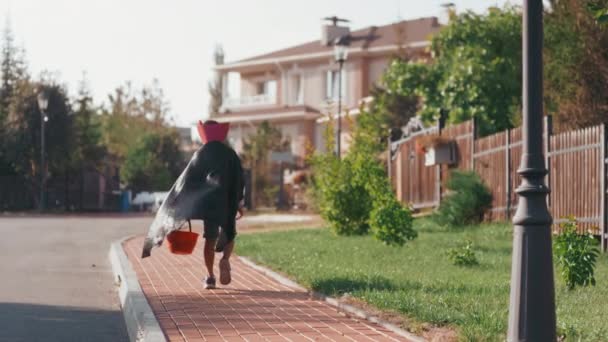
(377, 66)
(249, 82)
(345, 141)
(319, 137)
(360, 74)
(314, 84)
(237, 133)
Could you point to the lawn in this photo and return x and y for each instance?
(419, 282)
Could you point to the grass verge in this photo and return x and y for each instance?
(419, 282)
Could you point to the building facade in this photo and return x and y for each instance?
(296, 89)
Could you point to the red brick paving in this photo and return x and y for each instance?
(253, 307)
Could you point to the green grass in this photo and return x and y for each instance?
(419, 282)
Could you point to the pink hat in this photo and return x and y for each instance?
(212, 131)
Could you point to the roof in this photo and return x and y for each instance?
(412, 33)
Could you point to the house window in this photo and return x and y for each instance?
(268, 88)
(332, 84)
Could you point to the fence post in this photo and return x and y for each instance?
(547, 131)
(399, 173)
(473, 138)
(440, 125)
(508, 171)
(603, 219)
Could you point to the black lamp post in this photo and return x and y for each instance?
(340, 54)
(532, 306)
(43, 102)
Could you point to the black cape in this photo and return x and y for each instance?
(210, 188)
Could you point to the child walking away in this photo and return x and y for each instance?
(210, 189)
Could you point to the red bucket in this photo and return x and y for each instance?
(182, 242)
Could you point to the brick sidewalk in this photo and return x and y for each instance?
(252, 308)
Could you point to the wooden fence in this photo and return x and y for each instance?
(576, 162)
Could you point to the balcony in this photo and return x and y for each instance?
(249, 101)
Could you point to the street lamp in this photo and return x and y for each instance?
(340, 55)
(43, 103)
(532, 303)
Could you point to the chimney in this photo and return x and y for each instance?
(329, 33)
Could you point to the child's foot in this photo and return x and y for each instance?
(225, 278)
(210, 283)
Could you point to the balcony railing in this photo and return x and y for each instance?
(249, 101)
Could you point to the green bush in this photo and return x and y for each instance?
(354, 194)
(343, 202)
(349, 209)
(464, 255)
(467, 201)
(576, 255)
(391, 223)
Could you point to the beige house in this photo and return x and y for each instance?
(296, 88)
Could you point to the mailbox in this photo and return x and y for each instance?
(444, 153)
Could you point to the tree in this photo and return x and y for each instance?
(576, 64)
(25, 133)
(153, 163)
(13, 71)
(217, 84)
(153, 106)
(136, 131)
(476, 70)
(475, 73)
(599, 9)
(88, 150)
(130, 115)
(256, 149)
(395, 110)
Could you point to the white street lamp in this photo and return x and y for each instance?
(340, 55)
(43, 103)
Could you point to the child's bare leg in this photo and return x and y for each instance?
(228, 250)
(209, 255)
(230, 230)
(225, 277)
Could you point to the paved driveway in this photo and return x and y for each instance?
(56, 280)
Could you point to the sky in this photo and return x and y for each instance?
(115, 41)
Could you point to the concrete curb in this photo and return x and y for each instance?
(341, 307)
(139, 317)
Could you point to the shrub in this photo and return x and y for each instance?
(464, 255)
(344, 203)
(576, 255)
(354, 194)
(349, 209)
(467, 201)
(390, 222)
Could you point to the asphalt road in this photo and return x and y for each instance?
(56, 280)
